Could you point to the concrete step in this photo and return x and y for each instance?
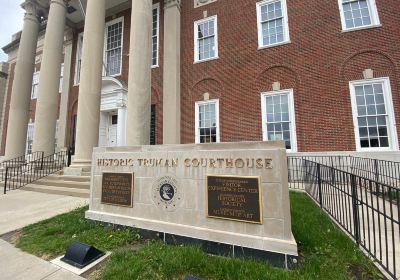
(84, 193)
(59, 183)
(69, 178)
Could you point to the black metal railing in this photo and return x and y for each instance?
(18, 162)
(383, 171)
(367, 209)
(31, 171)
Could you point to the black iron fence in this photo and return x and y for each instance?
(367, 208)
(16, 177)
(17, 162)
(382, 171)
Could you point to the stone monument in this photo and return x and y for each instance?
(229, 198)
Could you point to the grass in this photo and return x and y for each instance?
(325, 252)
(50, 238)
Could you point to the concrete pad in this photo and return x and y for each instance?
(17, 265)
(20, 208)
(75, 270)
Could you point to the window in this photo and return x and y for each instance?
(29, 138)
(272, 19)
(358, 13)
(205, 39)
(61, 78)
(153, 125)
(78, 59)
(373, 115)
(56, 136)
(207, 121)
(35, 85)
(113, 47)
(278, 118)
(155, 33)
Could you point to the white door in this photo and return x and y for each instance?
(112, 131)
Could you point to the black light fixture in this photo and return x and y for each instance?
(80, 254)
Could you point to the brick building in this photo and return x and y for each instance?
(321, 75)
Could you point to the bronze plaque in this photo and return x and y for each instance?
(117, 189)
(235, 198)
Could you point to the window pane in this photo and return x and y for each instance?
(278, 118)
(114, 49)
(272, 28)
(356, 13)
(372, 123)
(207, 123)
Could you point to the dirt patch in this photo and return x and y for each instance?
(11, 237)
(358, 273)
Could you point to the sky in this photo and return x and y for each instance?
(11, 20)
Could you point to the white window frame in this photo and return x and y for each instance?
(79, 49)
(286, 34)
(373, 9)
(292, 117)
(391, 125)
(60, 86)
(112, 22)
(156, 6)
(197, 105)
(30, 128)
(37, 73)
(196, 39)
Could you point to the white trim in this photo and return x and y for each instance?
(196, 39)
(391, 125)
(292, 117)
(199, 103)
(286, 33)
(60, 87)
(156, 6)
(373, 10)
(79, 49)
(36, 75)
(109, 23)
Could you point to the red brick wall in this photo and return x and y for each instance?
(318, 64)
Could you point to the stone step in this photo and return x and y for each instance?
(69, 178)
(59, 183)
(84, 193)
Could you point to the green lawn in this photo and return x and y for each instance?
(325, 252)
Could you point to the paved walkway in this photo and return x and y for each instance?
(17, 265)
(21, 208)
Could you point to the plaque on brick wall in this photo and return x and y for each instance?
(117, 189)
(235, 198)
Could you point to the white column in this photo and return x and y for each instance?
(172, 73)
(49, 83)
(22, 85)
(87, 133)
(121, 127)
(63, 118)
(139, 84)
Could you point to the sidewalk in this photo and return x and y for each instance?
(17, 265)
(20, 208)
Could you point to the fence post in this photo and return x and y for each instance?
(319, 183)
(356, 217)
(41, 161)
(69, 151)
(5, 181)
(376, 170)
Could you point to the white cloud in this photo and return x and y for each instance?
(11, 20)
